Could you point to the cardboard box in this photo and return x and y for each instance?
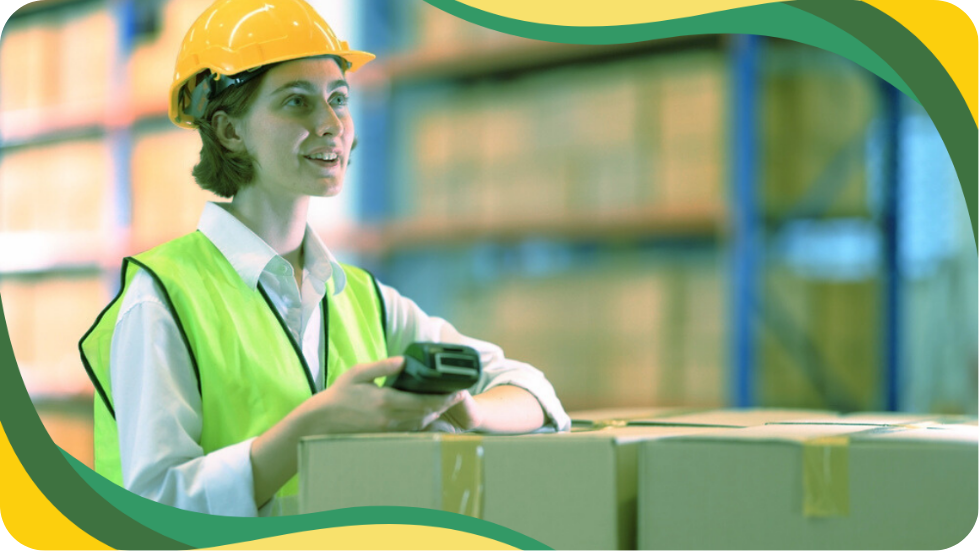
(568, 491)
(899, 418)
(810, 486)
(675, 416)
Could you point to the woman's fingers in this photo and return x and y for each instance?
(409, 402)
(367, 373)
(356, 404)
(466, 414)
(441, 425)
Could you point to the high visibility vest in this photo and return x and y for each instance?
(250, 372)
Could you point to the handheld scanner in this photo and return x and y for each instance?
(436, 368)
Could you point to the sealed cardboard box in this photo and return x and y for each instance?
(568, 491)
(899, 418)
(722, 418)
(835, 485)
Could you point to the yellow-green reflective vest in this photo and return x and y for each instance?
(250, 372)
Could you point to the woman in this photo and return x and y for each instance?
(228, 345)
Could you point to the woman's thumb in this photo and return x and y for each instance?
(366, 373)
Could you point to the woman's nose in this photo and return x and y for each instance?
(328, 122)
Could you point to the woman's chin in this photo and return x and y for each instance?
(328, 189)
(332, 191)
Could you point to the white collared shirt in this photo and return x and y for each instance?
(158, 406)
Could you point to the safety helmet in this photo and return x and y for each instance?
(234, 39)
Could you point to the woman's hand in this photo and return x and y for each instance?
(354, 403)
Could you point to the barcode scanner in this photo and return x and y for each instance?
(436, 368)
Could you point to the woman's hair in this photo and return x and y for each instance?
(221, 170)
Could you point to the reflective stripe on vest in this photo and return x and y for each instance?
(249, 371)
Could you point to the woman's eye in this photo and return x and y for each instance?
(340, 100)
(295, 101)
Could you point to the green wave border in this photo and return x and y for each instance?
(777, 20)
(849, 28)
(200, 530)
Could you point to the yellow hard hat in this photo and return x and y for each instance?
(234, 38)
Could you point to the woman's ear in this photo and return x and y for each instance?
(228, 131)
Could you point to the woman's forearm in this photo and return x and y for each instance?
(274, 457)
(509, 409)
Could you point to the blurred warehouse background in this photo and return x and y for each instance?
(700, 221)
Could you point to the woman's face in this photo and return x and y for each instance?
(299, 129)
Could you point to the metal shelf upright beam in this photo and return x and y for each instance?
(746, 247)
(890, 243)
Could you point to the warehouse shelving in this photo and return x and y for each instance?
(743, 233)
(60, 244)
(735, 230)
(33, 252)
(461, 252)
(699, 221)
(768, 218)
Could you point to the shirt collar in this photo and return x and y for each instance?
(320, 262)
(249, 255)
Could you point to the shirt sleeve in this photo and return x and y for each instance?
(407, 323)
(158, 413)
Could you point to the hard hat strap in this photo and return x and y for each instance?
(210, 85)
(220, 83)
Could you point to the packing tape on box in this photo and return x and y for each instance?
(462, 474)
(826, 491)
(826, 480)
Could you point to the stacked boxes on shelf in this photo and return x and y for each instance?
(63, 90)
(565, 145)
(690, 152)
(61, 187)
(87, 59)
(820, 338)
(818, 111)
(45, 318)
(705, 337)
(64, 62)
(28, 50)
(167, 202)
(819, 343)
(630, 333)
(56, 193)
(614, 137)
(64, 65)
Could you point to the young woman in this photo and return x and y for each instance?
(228, 345)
